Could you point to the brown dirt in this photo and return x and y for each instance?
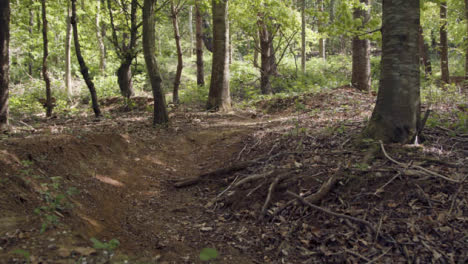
(124, 173)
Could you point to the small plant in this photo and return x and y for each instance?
(55, 201)
(110, 246)
(208, 254)
(23, 253)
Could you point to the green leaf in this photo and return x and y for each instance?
(207, 254)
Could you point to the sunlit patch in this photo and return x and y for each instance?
(108, 180)
(438, 151)
(92, 222)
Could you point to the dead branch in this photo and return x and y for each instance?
(324, 190)
(270, 194)
(254, 177)
(431, 173)
(326, 211)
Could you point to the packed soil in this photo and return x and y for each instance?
(224, 181)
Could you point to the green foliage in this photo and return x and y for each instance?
(55, 200)
(243, 80)
(208, 254)
(194, 94)
(110, 246)
(23, 253)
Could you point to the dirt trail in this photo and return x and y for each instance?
(125, 189)
(124, 170)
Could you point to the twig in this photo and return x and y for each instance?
(323, 210)
(381, 189)
(254, 177)
(324, 190)
(357, 255)
(229, 187)
(454, 198)
(240, 153)
(379, 256)
(270, 193)
(416, 166)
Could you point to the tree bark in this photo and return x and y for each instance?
(30, 30)
(45, 72)
(466, 49)
(124, 78)
(199, 45)
(219, 98)
(4, 62)
(321, 41)
(180, 63)
(361, 73)
(424, 53)
(125, 51)
(99, 36)
(207, 38)
(160, 113)
(68, 42)
(83, 68)
(396, 116)
(444, 43)
(190, 26)
(303, 37)
(268, 58)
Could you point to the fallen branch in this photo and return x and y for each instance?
(326, 211)
(406, 166)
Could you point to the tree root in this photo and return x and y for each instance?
(326, 211)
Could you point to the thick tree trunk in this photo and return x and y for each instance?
(4, 62)
(45, 73)
(396, 116)
(83, 67)
(219, 98)
(199, 45)
(180, 62)
(303, 37)
(361, 73)
(125, 51)
(268, 59)
(124, 78)
(424, 53)
(444, 43)
(99, 36)
(160, 113)
(68, 42)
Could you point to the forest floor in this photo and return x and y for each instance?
(71, 186)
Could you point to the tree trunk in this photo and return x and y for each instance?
(219, 96)
(68, 40)
(207, 39)
(396, 116)
(321, 41)
(4, 62)
(199, 45)
(444, 42)
(424, 53)
(99, 36)
(30, 29)
(190, 26)
(160, 113)
(83, 68)
(125, 51)
(45, 73)
(124, 78)
(180, 62)
(303, 37)
(466, 49)
(268, 59)
(361, 76)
